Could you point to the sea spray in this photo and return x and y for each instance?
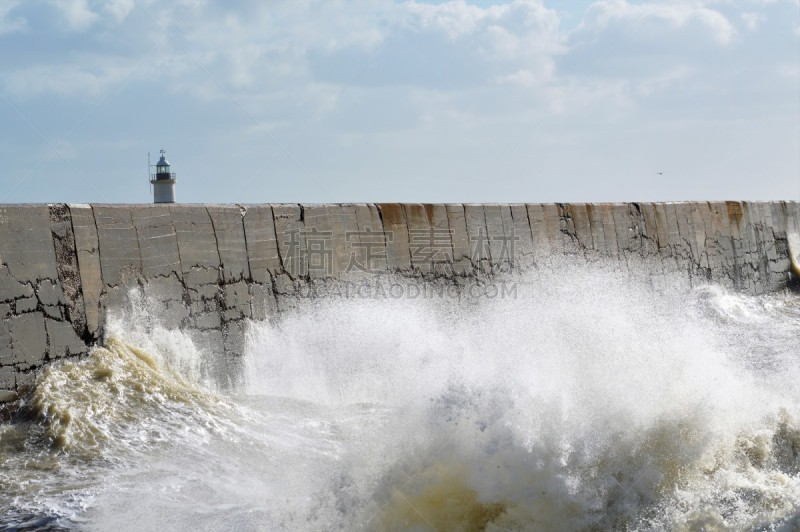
(590, 401)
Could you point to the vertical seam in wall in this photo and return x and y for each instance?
(306, 277)
(383, 230)
(451, 233)
(710, 236)
(657, 239)
(408, 234)
(597, 218)
(591, 247)
(275, 234)
(466, 233)
(45, 357)
(277, 243)
(431, 233)
(513, 233)
(273, 278)
(488, 240)
(220, 297)
(138, 244)
(530, 232)
(220, 268)
(80, 276)
(177, 245)
(639, 225)
(99, 255)
(243, 212)
(100, 297)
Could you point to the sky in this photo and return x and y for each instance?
(317, 101)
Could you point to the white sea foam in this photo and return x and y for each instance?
(591, 401)
(588, 402)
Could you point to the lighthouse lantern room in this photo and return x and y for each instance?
(163, 181)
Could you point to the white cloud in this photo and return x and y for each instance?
(260, 48)
(77, 14)
(63, 80)
(271, 58)
(521, 27)
(8, 24)
(455, 18)
(639, 17)
(664, 80)
(753, 20)
(576, 96)
(448, 45)
(522, 77)
(244, 61)
(768, 2)
(119, 9)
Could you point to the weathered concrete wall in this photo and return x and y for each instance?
(209, 267)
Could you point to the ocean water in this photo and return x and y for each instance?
(591, 401)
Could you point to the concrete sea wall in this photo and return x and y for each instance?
(210, 267)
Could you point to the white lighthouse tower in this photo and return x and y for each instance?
(163, 181)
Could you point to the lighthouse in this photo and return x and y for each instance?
(163, 181)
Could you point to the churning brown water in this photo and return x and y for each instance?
(589, 402)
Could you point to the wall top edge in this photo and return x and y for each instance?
(345, 204)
